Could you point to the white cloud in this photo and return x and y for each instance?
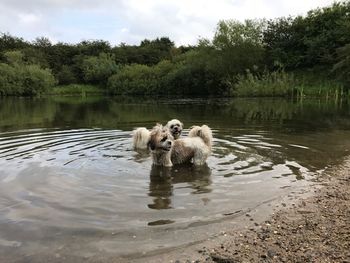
(28, 19)
(131, 21)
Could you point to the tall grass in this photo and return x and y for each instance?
(266, 84)
(325, 89)
(282, 84)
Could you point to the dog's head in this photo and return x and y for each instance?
(160, 139)
(175, 126)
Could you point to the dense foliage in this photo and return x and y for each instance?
(279, 57)
(19, 78)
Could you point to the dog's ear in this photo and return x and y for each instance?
(151, 145)
(165, 129)
(158, 126)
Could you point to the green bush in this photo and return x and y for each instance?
(17, 78)
(342, 66)
(98, 69)
(66, 75)
(277, 83)
(11, 82)
(36, 80)
(180, 77)
(134, 79)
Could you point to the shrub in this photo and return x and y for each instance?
(277, 83)
(36, 80)
(17, 78)
(99, 69)
(134, 79)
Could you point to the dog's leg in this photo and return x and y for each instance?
(199, 158)
(162, 159)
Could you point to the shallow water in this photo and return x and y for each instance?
(72, 186)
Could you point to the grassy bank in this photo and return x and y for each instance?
(76, 90)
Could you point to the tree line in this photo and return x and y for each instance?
(279, 57)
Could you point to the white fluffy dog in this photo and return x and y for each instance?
(141, 136)
(175, 126)
(166, 151)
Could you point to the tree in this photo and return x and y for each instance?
(14, 57)
(310, 41)
(98, 69)
(133, 80)
(342, 67)
(34, 55)
(19, 78)
(8, 42)
(42, 42)
(66, 75)
(149, 52)
(326, 30)
(10, 81)
(232, 33)
(282, 43)
(239, 46)
(93, 47)
(36, 80)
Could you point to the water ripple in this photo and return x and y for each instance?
(76, 141)
(73, 180)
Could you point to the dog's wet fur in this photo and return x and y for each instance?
(167, 151)
(141, 136)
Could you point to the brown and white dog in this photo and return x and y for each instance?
(166, 151)
(141, 136)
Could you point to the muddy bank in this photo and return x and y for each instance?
(315, 227)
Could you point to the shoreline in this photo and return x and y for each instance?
(311, 226)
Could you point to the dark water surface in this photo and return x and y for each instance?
(72, 187)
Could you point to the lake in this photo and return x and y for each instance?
(73, 188)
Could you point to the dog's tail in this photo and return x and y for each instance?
(203, 132)
(141, 137)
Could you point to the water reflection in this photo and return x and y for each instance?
(160, 187)
(55, 112)
(141, 155)
(164, 179)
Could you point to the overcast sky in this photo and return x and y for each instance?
(131, 21)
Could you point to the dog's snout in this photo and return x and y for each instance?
(169, 143)
(176, 128)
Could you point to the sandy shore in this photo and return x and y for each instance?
(315, 227)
